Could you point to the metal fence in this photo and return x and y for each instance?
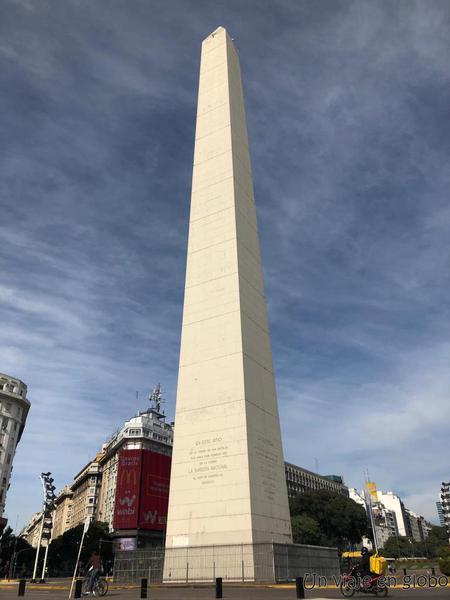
(130, 566)
(294, 560)
(243, 562)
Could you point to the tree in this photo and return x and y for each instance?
(63, 550)
(434, 545)
(306, 530)
(444, 560)
(397, 547)
(437, 538)
(341, 521)
(16, 554)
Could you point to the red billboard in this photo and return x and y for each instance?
(127, 489)
(142, 490)
(154, 490)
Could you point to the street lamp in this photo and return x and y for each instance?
(45, 532)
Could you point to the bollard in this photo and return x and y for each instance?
(433, 571)
(78, 585)
(143, 588)
(404, 572)
(219, 593)
(300, 588)
(22, 584)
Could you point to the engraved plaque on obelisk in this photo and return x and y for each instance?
(227, 483)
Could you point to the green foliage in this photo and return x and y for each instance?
(63, 550)
(306, 530)
(398, 547)
(444, 566)
(433, 546)
(437, 538)
(340, 520)
(14, 552)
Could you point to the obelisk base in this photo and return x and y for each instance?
(248, 563)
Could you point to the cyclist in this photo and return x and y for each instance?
(93, 567)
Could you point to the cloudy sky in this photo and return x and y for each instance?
(348, 107)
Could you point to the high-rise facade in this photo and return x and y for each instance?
(14, 408)
(62, 515)
(300, 480)
(147, 431)
(394, 503)
(440, 514)
(384, 520)
(227, 484)
(85, 492)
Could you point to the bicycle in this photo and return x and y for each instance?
(100, 586)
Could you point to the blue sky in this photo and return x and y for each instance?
(348, 116)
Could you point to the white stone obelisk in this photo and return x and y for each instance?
(227, 483)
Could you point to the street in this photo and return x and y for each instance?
(251, 592)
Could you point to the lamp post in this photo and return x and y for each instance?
(46, 523)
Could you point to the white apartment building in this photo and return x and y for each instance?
(384, 519)
(394, 503)
(354, 495)
(147, 431)
(14, 408)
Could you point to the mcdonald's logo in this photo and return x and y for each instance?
(128, 477)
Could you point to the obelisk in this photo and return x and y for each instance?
(227, 483)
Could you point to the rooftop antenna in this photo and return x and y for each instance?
(156, 398)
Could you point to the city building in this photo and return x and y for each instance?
(62, 515)
(300, 480)
(385, 523)
(440, 514)
(147, 431)
(357, 497)
(384, 520)
(425, 527)
(142, 498)
(445, 504)
(94, 489)
(390, 516)
(14, 408)
(86, 490)
(31, 531)
(414, 529)
(394, 503)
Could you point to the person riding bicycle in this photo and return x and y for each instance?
(93, 567)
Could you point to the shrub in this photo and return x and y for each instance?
(444, 566)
